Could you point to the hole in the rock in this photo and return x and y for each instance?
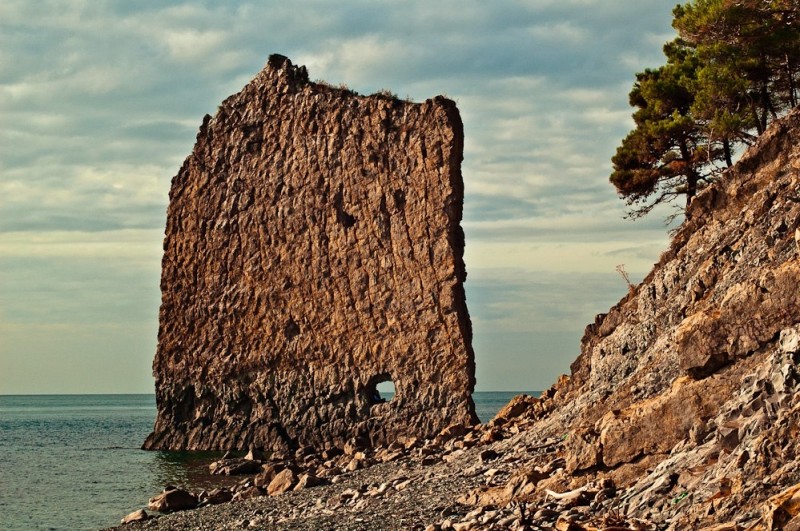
(386, 389)
(381, 389)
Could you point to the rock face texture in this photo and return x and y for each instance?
(313, 250)
(687, 392)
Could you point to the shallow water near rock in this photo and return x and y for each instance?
(73, 461)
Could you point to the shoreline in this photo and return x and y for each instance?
(412, 492)
(480, 477)
(98, 463)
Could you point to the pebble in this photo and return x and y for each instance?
(380, 495)
(136, 516)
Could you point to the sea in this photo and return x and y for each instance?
(74, 462)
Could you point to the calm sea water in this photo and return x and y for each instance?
(73, 461)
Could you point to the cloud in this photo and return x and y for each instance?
(54, 196)
(513, 71)
(80, 278)
(565, 303)
(101, 101)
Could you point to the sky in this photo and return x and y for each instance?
(100, 102)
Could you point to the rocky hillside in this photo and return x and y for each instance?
(685, 393)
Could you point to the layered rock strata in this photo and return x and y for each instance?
(313, 250)
(687, 392)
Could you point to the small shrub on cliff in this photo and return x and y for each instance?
(341, 86)
(624, 274)
(386, 94)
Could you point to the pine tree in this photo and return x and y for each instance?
(750, 53)
(668, 154)
(734, 67)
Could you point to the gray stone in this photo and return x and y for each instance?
(790, 340)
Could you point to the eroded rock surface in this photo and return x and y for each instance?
(313, 249)
(687, 393)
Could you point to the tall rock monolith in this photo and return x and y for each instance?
(313, 250)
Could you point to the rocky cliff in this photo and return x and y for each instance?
(686, 392)
(313, 250)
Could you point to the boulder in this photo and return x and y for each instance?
(216, 496)
(308, 481)
(518, 405)
(451, 432)
(283, 482)
(172, 499)
(135, 516)
(248, 492)
(235, 467)
(269, 471)
(254, 455)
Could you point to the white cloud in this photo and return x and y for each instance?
(189, 45)
(137, 246)
(357, 59)
(564, 258)
(561, 32)
(101, 102)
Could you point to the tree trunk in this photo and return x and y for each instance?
(790, 76)
(772, 110)
(691, 187)
(691, 174)
(726, 147)
(765, 106)
(756, 119)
